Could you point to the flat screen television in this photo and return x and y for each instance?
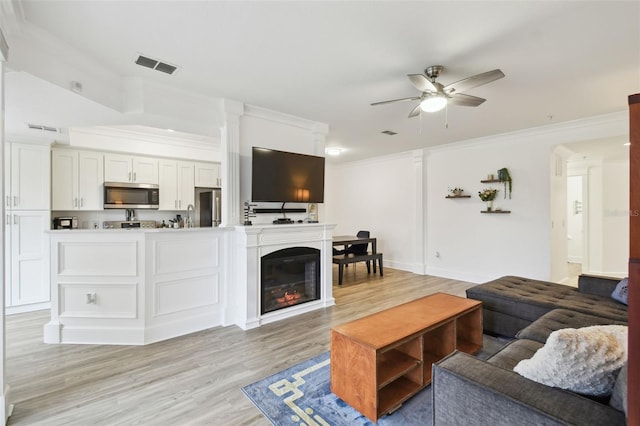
(286, 177)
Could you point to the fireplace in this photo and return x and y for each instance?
(289, 277)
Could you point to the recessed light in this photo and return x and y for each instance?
(333, 151)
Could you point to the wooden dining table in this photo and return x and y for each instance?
(347, 240)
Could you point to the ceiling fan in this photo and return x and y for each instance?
(435, 96)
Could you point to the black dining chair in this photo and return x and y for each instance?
(359, 248)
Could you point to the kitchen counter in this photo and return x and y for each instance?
(101, 230)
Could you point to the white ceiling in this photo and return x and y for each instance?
(328, 60)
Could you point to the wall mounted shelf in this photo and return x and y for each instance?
(491, 181)
(495, 211)
(458, 196)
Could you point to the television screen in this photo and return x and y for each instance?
(286, 177)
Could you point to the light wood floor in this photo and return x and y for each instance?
(190, 380)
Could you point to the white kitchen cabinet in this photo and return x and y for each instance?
(76, 180)
(176, 183)
(127, 168)
(27, 262)
(207, 175)
(27, 201)
(27, 176)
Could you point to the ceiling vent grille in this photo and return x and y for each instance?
(389, 132)
(155, 64)
(43, 128)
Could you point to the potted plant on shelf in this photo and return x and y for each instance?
(504, 176)
(456, 192)
(487, 195)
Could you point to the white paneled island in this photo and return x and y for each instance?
(135, 287)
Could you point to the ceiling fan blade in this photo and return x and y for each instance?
(415, 98)
(475, 81)
(465, 100)
(415, 112)
(422, 83)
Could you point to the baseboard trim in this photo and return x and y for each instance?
(7, 409)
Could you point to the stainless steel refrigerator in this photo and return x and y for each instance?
(208, 210)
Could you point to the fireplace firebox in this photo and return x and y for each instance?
(289, 277)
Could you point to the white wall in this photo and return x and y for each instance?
(615, 202)
(386, 195)
(479, 247)
(379, 195)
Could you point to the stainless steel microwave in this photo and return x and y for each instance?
(118, 195)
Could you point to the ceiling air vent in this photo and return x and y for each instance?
(389, 132)
(43, 128)
(155, 64)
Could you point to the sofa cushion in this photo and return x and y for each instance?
(558, 319)
(530, 299)
(621, 292)
(619, 394)
(585, 360)
(514, 352)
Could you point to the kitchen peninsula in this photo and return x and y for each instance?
(135, 286)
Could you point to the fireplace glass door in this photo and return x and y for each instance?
(289, 277)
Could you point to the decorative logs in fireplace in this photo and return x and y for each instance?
(289, 277)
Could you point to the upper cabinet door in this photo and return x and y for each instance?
(145, 170)
(118, 168)
(64, 180)
(207, 175)
(30, 177)
(90, 180)
(168, 183)
(186, 192)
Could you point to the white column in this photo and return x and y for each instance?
(421, 213)
(230, 146)
(5, 407)
(318, 137)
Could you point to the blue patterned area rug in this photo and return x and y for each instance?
(301, 396)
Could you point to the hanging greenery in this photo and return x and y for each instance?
(504, 176)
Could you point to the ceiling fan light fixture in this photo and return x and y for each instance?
(433, 103)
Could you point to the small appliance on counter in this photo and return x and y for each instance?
(131, 224)
(66, 222)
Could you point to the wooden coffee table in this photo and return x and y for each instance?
(380, 361)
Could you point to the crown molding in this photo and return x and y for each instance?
(282, 118)
(598, 127)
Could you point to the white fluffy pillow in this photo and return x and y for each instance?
(583, 360)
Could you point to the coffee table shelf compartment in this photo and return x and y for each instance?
(469, 332)
(380, 361)
(438, 343)
(394, 364)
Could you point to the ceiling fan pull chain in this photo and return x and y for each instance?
(446, 116)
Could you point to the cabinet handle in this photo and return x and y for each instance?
(75, 202)
(15, 200)
(8, 219)
(15, 219)
(175, 203)
(8, 201)
(129, 176)
(134, 176)
(81, 202)
(179, 204)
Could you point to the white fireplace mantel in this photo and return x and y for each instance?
(253, 242)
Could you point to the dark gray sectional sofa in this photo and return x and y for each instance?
(466, 390)
(510, 303)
